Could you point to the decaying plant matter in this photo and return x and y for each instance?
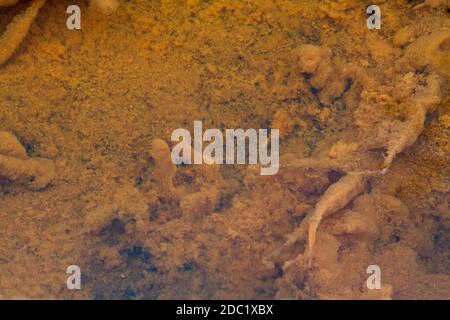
(417, 108)
(18, 167)
(431, 3)
(335, 198)
(191, 206)
(19, 27)
(341, 193)
(196, 204)
(416, 95)
(350, 193)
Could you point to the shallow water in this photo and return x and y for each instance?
(94, 101)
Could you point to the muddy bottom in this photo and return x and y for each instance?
(87, 179)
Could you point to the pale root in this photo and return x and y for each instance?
(18, 167)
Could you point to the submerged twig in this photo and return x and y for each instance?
(17, 166)
(17, 29)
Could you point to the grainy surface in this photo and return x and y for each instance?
(94, 100)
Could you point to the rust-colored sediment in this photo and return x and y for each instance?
(98, 106)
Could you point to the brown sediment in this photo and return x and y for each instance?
(104, 6)
(16, 166)
(11, 39)
(8, 3)
(349, 102)
(18, 29)
(337, 197)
